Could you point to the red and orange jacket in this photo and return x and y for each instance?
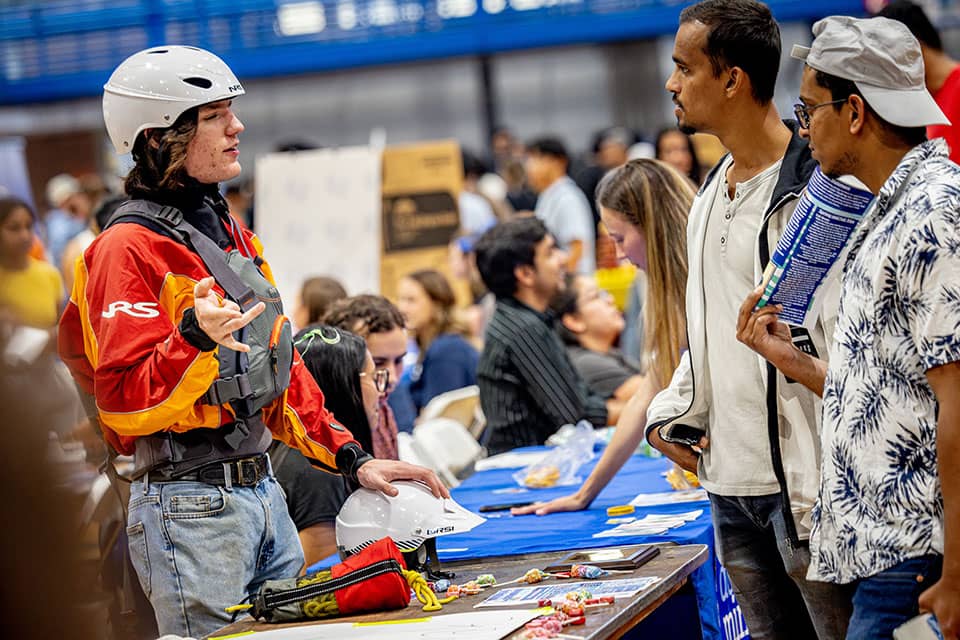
(120, 336)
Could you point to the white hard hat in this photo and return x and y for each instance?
(410, 518)
(150, 89)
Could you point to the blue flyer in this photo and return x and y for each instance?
(816, 234)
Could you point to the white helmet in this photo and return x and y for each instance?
(410, 518)
(150, 89)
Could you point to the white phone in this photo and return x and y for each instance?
(923, 627)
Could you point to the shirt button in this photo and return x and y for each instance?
(723, 240)
(727, 216)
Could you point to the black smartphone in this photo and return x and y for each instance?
(487, 508)
(682, 434)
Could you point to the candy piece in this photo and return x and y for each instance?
(486, 580)
(542, 477)
(534, 576)
(588, 571)
(441, 585)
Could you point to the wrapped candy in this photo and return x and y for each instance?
(534, 576)
(486, 580)
(587, 571)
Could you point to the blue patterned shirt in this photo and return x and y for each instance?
(880, 501)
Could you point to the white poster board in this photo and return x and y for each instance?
(318, 213)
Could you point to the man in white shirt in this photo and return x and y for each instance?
(561, 204)
(757, 430)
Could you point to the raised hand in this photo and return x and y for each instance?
(219, 318)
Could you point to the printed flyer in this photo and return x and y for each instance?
(812, 243)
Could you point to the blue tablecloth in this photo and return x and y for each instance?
(504, 534)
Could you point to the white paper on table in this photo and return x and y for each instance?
(669, 497)
(481, 625)
(532, 595)
(510, 460)
(651, 525)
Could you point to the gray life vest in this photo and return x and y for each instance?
(248, 381)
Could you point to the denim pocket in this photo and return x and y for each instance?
(137, 544)
(193, 500)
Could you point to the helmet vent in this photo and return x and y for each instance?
(203, 83)
(157, 51)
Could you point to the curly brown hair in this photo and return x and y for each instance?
(160, 156)
(364, 314)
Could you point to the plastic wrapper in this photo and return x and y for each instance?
(560, 466)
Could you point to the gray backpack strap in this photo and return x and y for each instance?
(170, 222)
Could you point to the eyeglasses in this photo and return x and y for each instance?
(802, 111)
(381, 379)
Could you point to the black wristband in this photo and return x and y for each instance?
(193, 334)
(350, 457)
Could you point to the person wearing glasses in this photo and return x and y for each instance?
(750, 433)
(589, 323)
(887, 522)
(353, 387)
(380, 324)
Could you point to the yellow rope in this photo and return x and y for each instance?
(424, 593)
(324, 606)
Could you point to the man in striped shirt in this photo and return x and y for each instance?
(528, 387)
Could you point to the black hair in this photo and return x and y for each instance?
(473, 166)
(563, 303)
(916, 20)
(742, 34)
(335, 358)
(841, 89)
(9, 204)
(549, 146)
(106, 210)
(694, 173)
(292, 146)
(364, 314)
(503, 248)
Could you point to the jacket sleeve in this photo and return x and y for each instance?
(299, 419)
(672, 405)
(127, 302)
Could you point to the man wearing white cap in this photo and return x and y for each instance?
(70, 215)
(887, 520)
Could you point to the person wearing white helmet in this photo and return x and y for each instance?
(175, 329)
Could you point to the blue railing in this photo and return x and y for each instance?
(65, 49)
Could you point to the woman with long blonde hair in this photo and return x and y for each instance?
(643, 205)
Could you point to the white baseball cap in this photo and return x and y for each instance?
(60, 187)
(882, 58)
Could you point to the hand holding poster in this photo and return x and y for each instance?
(827, 213)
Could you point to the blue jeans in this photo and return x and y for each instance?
(199, 548)
(768, 573)
(884, 601)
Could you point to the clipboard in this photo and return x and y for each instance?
(623, 558)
